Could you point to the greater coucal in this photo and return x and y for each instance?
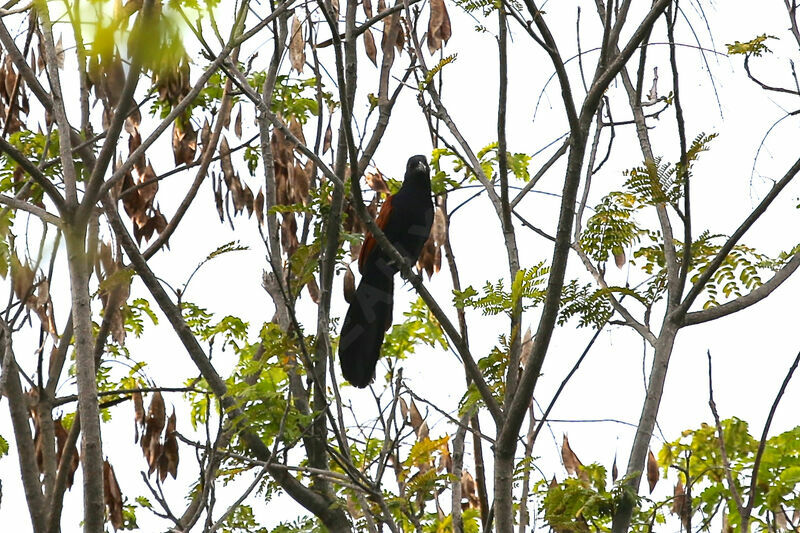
(406, 219)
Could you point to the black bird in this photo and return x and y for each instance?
(406, 219)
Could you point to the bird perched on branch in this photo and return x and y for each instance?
(406, 219)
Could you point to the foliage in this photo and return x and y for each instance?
(696, 454)
(754, 47)
(528, 287)
(419, 326)
(518, 163)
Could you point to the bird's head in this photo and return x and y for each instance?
(418, 166)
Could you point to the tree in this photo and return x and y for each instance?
(277, 414)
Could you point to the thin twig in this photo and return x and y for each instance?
(763, 443)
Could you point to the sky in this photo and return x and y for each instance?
(751, 350)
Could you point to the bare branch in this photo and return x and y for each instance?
(318, 504)
(721, 438)
(18, 409)
(743, 302)
(763, 443)
(725, 249)
(34, 172)
(21, 205)
(59, 111)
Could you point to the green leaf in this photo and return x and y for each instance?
(754, 47)
(530, 286)
(435, 70)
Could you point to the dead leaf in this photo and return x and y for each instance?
(184, 142)
(652, 470)
(469, 490)
(177, 139)
(258, 207)
(415, 417)
(10, 78)
(205, 135)
(614, 470)
(300, 184)
(249, 200)
(218, 199)
(390, 23)
(619, 258)
(156, 417)
(313, 290)
(22, 279)
(372, 209)
(168, 462)
(367, 5)
(112, 496)
(113, 81)
(355, 249)
(297, 44)
(61, 442)
(225, 162)
(60, 52)
(680, 505)
(283, 165)
(239, 196)
(526, 348)
(237, 124)
(439, 29)
(138, 414)
(134, 142)
(430, 259)
(296, 129)
(40, 62)
(422, 432)
(131, 201)
(369, 46)
(289, 240)
(326, 145)
(404, 410)
(427, 257)
(61, 437)
(349, 288)
(571, 461)
(24, 105)
(376, 182)
(149, 183)
(678, 498)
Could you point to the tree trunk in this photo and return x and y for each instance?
(647, 420)
(91, 443)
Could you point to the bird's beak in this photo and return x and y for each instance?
(422, 165)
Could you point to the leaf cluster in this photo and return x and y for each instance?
(529, 287)
(754, 47)
(697, 455)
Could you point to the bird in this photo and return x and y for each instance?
(406, 218)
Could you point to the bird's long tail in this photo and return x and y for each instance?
(367, 319)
